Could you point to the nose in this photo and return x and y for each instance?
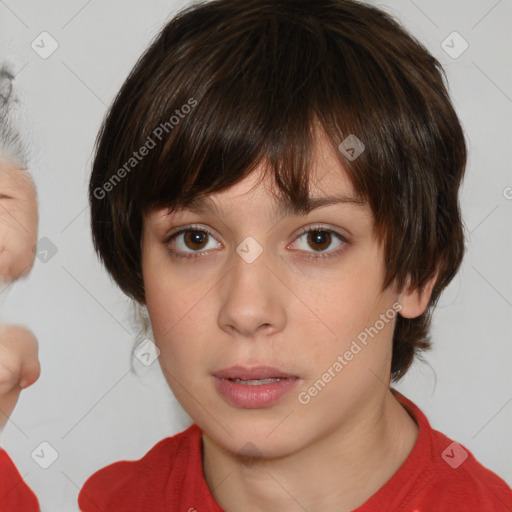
(252, 298)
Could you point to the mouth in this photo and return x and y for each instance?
(255, 382)
(253, 374)
(255, 387)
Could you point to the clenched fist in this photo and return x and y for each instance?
(19, 366)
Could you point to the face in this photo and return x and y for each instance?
(292, 305)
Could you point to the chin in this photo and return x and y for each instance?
(254, 439)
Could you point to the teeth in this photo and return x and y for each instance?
(255, 382)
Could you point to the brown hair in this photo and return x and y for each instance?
(234, 83)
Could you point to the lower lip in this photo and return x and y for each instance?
(254, 397)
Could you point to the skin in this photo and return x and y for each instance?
(294, 313)
(18, 222)
(19, 363)
(19, 366)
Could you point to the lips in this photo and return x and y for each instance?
(254, 387)
(253, 373)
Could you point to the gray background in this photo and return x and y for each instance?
(89, 404)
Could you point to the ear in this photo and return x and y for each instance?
(414, 301)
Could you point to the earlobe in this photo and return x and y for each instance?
(414, 301)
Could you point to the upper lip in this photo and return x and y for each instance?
(253, 372)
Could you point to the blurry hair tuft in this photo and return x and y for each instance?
(12, 146)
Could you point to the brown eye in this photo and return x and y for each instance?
(191, 242)
(320, 243)
(319, 240)
(195, 239)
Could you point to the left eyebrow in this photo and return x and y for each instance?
(286, 207)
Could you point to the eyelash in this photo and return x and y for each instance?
(313, 256)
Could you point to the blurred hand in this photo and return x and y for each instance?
(19, 364)
(18, 222)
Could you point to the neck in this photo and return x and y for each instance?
(338, 472)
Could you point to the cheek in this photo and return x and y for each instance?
(178, 314)
(175, 308)
(166, 296)
(349, 306)
(173, 332)
(347, 299)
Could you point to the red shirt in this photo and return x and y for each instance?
(437, 476)
(15, 496)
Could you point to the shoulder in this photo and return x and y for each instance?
(135, 482)
(448, 476)
(462, 481)
(443, 475)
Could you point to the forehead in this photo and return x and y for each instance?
(329, 184)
